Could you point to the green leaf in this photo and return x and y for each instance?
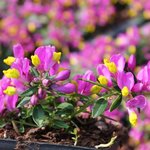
(29, 92)
(65, 105)
(2, 123)
(116, 103)
(34, 72)
(24, 101)
(39, 116)
(99, 107)
(60, 124)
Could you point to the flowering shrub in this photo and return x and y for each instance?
(38, 92)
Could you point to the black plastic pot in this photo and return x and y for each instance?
(11, 144)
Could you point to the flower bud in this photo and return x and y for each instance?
(33, 100)
(41, 93)
(63, 75)
(66, 88)
(45, 82)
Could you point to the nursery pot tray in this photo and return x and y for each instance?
(7, 144)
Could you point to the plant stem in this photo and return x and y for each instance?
(25, 123)
(15, 127)
(109, 118)
(95, 83)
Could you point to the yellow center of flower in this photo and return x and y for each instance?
(111, 67)
(133, 118)
(12, 30)
(106, 60)
(9, 60)
(12, 73)
(56, 56)
(10, 90)
(146, 14)
(132, 49)
(103, 80)
(125, 91)
(95, 89)
(35, 60)
(31, 26)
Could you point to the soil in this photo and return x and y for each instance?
(89, 135)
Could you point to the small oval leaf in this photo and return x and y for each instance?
(24, 101)
(116, 103)
(29, 91)
(65, 105)
(60, 124)
(39, 115)
(34, 72)
(99, 107)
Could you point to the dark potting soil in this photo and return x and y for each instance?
(89, 135)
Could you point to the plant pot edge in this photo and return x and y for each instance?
(8, 144)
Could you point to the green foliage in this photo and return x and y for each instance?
(39, 116)
(99, 107)
(116, 103)
(30, 91)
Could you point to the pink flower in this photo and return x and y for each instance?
(84, 87)
(103, 71)
(125, 82)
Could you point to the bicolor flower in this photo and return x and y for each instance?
(134, 103)
(125, 82)
(115, 63)
(84, 87)
(45, 58)
(104, 75)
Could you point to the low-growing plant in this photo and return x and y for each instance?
(39, 93)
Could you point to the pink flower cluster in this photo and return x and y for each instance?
(39, 21)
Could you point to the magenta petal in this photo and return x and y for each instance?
(11, 102)
(2, 107)
(48, 58)
(143, 75)
(125, 79)
(137, 102)
(84, 86)
(45, 54)
(4, 82)
(18, 51)
(132, 62)
(119, 60)
(137, 87)
(53, 70)
(66, 88)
